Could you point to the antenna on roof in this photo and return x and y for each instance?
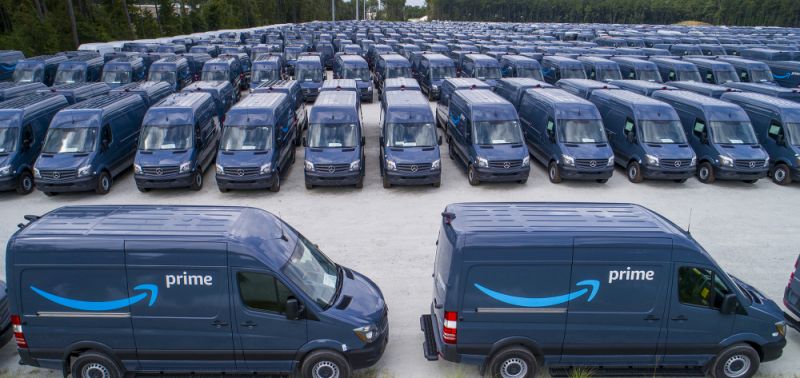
(280, 224)
(689, 226)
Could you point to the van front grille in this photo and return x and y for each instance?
(675, 163)
(160, 171)
(749, 164)
(332, 168)
(414, 167)
(242, 171)
(505, 164)
(58, 174)
(590, 163)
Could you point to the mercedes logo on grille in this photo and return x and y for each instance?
(56, 175)
(331, 169)
(414, 168)
(240, 172)
(159, 171)
(592, 163)
(677, 163)
(506, 165)
(752, 164)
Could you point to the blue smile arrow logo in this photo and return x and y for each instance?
(106, 305)
(545, 301)
(784, 76)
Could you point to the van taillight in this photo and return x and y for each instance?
(449, 327)
(18, 335)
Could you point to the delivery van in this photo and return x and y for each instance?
(124, 70)
(356, 68)
(513, 88)
(600, 69)
(292, 89)
(266, 67)
(676, 70)
(390, 66)
(309, 73)
(481, 67)
(714, 71)
(110, 291)
(556, 67)
(80, 69)
(222, 92)
(10, 89)
(449, 87)
(750, 71)
(637, 69)
(521, 287)
(173, 70)
(432, 70)
(521, 66)
(768, 89)
(38, 69)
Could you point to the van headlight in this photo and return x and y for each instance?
(725, 161)
(693, 162)
(610, 161)
(651, 160)
(780, 327)
(482, 162)
(436, 164)
(5, 171)
(766, 162)
(367, 334)
(390, 165)
(568, 160)
(36, 173)
(435, 88)
(526, 161)
(185, 167)
(137, 169)
(355, 165)
(86, 170)
(266, 168)
(309, 166)
(220, 169)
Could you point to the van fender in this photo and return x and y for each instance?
(318, 344)
(753, 339)
(532, 345)
(83, 346)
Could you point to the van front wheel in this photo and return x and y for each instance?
(197, 180)
(554, 172)
(95, 365)
(103, 183)
(634, 172)
(782, 175)
(472, 175)
(737, 361)
(513, 362)
(325, 364)
(705, 173)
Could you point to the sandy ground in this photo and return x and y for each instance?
(389, 234)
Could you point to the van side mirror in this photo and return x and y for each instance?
(704, 138)
(363, 141)
(293, 309)
(631, 137)
(439, 140)
(305, 142)
(780, 140)
(381, 141)
(729, 304)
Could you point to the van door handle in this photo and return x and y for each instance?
(248, 324)
(680, 318)
(651, 318)
(219, 323)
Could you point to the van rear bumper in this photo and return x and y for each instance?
(573, 173)
(655, 173)
(501, 175)
(181, 180)
(723, 173)
(256, 182)
(334, 179)
(76, 185)
(408, 178)
(774, 350)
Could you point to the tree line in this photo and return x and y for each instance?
(720, 12)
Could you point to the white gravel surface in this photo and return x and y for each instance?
(389, 234)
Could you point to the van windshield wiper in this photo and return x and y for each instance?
(339, 284)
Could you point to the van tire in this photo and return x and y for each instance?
(103, 183)
(50, 194)
(554, 173)
(634, 172)
(197, 180)
(680, 181)
(513, 360)
(322, 360)
(450, 151)
(705, 173)
(472, 176)
(276, 183)
(142, 189)
(602, 181)
(95, 362)
(781, 175)
(736, 361)
(437, 184)
(360, 182)
(309, 185)
(386, 183)
(25, 183)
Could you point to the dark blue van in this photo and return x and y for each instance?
(777, 126)
(309, 73)
(339, 85)
(10, 89)
(637, 69)
(292, 89)
(519, 287)
(290, 55)
(401, 84)
(77, 92)
(151, 91)
(226, 68)
(513, 88)
(266, 67)
(124, 70)
(556, 67)
(334, 145)
(186, 290)
(257, 144)
(449, 87)
(642, 87)
(8, 62)
(23, 125)
(80, 69)
(481, 67)
(714, 71)
(583, 87)
(222, 92)
(173, 70)
(646, 135)
(179, 141)
(38, 69)
(600, 69)
(791, 296)
(705, 89)
(768, 89)
(483, 134)
(785, 73)
(565, 134)
(676, 70)
(750, 71)
(196, 62)
(390, 66)
(409, 144)
(88, 144)
(432, 70)
(520, 66)
(721, 135)
(356, 68)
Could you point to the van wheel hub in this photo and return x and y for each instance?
(703, 173)
(326, 369)
(780, 174)
(513, 368)
(95, 370)
(27, 183)
(105, 183)
(737, 366)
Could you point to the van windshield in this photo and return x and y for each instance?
(216, 75)
(608, 74)
(649, 75)
(166, 137)
(689, 76)
(732, 132)
(69, 76)
(497, 132)
(309, 74)
(28, 75)
(581, 131)
(410, 135)
(167, 76)
(487, 73)
(291, 55)
(794, 133)
(662, 132)
(246, 138)
(533, 73)
(313, 273)
(573, 73)
(116, 77)
(8, 139)
(761, 76)
(358, 73)
(265, 75)
(726, 76)
(334, 135)
(62, 140)
(394, 72)
(442, 72)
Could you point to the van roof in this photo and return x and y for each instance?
(533, 217)
(395, 58)
(347, 99)
(351, 58)
(277, 84)
(401, 82)
(643, 107)
(641, 84)
(710, 63)
(481, 97)
(761, 87)
(190, 100)
(525, 82)
(437, 57)
(673, 62)
(518, 58)
(466, 82)
(206, 85)
(707, 104)
(30, 102)
(587, 84)
(703, 88)
(177, 59)
(742, 62)
(260, 101)
(106, 103)
(776, 104)
(125, 60)
(558, 96)
(406, 99)
(561, 59)
(340, 84)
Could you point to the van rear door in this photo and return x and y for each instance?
(187, 322)
(618, 316)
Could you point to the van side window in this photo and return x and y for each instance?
(699, 127)
(632, 75)
(27, 136)
(710, 77)
(775, 130)
(671, 76)
(743, 76)
(262, 292)
(700, 287)
(628, 126)
(106, 134)
(551, 126)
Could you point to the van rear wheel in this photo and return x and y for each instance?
(325, 364)
(513, 362)
(736, 361)
(95, 365)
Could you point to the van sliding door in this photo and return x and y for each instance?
(184, 319)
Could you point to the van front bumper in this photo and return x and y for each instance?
(573, 173)
(726, 173)
(774, 350)
(501, 175)
(180, 180)
(370, 354)
(411, 178)
(8, 183)
(63, 186)
(252, 182)
(332, 179)
(659, 173)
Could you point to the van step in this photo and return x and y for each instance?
(792, 322)
(630, 372)
(429, 345)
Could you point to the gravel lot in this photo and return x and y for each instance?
(389, 234)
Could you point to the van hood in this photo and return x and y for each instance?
(7, 159)
(502, 151)
(360, 301)
(761, 303)
(597, 151)
(412, 154)
(244, 158)
(163, 158)
(669, 151)
(332, 155)
(742, 152)
(62, 161)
